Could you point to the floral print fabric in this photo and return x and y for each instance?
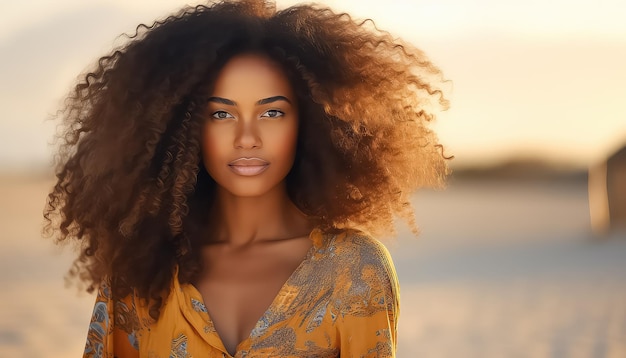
(341, 301)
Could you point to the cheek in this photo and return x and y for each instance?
(288, 141)
(212, 146)
(282, 136)
(283, 141)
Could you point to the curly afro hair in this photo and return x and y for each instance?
(131, 185)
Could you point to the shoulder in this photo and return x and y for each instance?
(357, 248)
(360, 264)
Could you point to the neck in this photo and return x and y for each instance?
(239, 221)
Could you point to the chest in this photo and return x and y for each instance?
(239, 287)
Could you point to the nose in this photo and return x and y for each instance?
(247, 135)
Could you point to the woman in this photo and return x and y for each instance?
(224, 174)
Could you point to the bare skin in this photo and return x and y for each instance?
(258, 237)
(246, 268)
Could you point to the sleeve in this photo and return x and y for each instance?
(370, 318)
(113, 328)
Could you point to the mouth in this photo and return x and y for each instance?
(248, 166)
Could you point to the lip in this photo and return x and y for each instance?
(248, 166)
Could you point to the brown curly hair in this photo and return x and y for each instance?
(131, 186)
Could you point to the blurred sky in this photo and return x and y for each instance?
(530, 78)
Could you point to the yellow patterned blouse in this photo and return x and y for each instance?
(341, 301)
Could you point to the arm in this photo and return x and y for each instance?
(112, 330)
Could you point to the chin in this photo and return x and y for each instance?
(248, 188)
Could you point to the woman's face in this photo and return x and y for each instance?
(250, 134)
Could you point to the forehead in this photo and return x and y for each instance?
(251, 77)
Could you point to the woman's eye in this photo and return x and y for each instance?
(273, 113)
(221, 115)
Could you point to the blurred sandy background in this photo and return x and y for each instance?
(506, 264)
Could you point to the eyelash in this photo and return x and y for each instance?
(217, 113)
(279, 113)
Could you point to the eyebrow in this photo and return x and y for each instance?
(259, 102)
(273, 99)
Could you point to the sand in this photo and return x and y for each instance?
(501, 269)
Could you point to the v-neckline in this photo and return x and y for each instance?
(195, 293)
